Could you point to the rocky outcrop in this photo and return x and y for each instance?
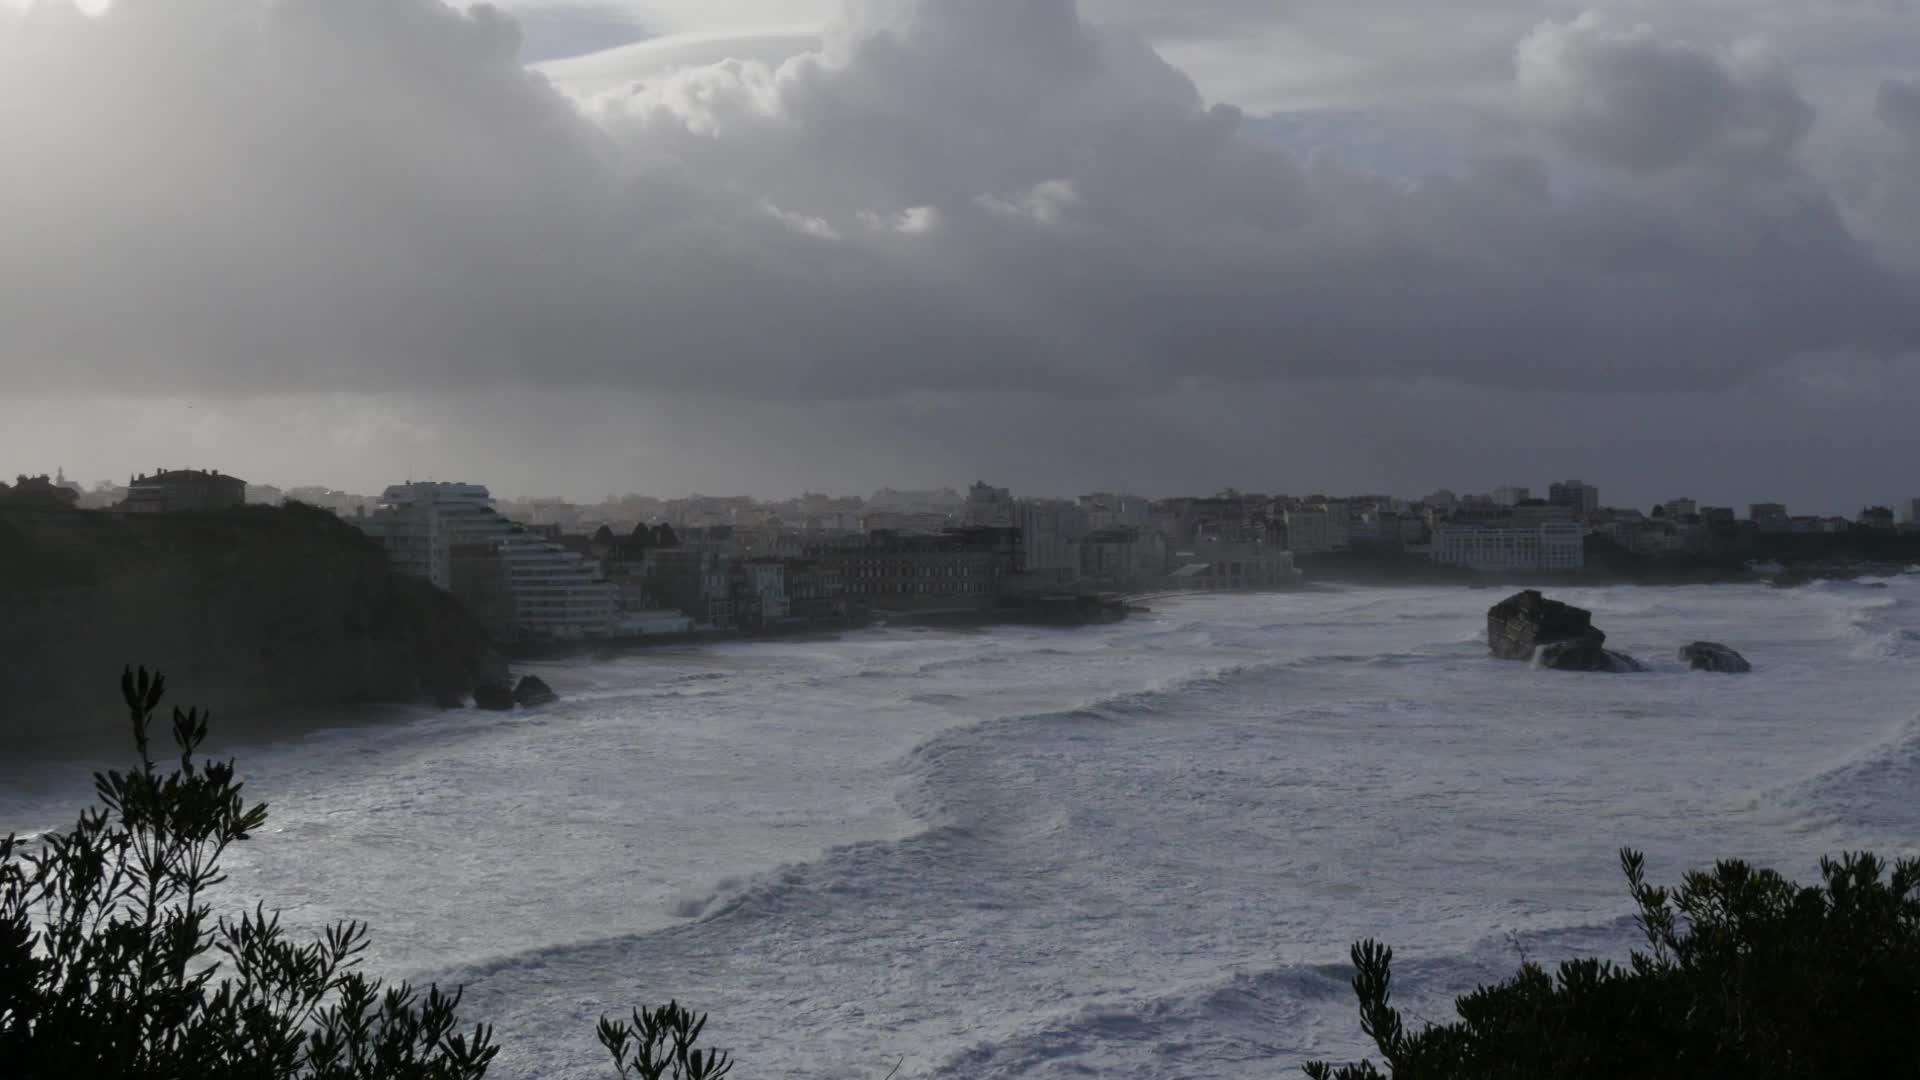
(1586, 655)
(1713, 656)
(532, 690)
(495, 697)
(250, 612)
(1520, 624)
(1528, 626)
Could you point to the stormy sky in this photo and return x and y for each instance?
(764, 247)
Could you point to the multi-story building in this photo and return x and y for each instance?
(1050, 532)
(760, 590)
(1770, 517)
(1535, 511)
(1308, 529)
(1233, 566)
(1875, 517)
(1511, 495)
(1680, 509)
(1548, 547)
(959, 568)
(1123, 556)
(173, 490)
(816, 589)
(694, 580)
(1582, 499)
(927, 522)
(1109, 511)
(1910, 512)
(1339, 523)
(1388, 529)
(552, 593)
(989, 507)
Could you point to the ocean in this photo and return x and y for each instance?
(1134, 851)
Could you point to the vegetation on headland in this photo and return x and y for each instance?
(1747, 976)
(113, 965)
(292, 609)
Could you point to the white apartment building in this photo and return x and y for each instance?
(767, 579)
(555, 593)
(1325, 526)
(1050, 534)
(1307, 531)
(1545, 548)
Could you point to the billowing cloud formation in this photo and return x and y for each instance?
(944, 196)
(1623, 96)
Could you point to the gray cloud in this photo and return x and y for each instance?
(945, 197)
(1898, 106)
(1625, 97)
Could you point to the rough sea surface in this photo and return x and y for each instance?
(1135, 851)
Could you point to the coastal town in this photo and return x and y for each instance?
(635, 568)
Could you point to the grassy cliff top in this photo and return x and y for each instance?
(55, 548)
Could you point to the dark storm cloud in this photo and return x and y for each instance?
(359, 195)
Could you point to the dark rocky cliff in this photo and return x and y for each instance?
(249, 610)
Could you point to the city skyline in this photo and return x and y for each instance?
(1503, 493)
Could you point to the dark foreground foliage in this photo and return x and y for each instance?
(1748, 976)
(113, 965)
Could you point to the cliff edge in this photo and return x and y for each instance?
(250, 610)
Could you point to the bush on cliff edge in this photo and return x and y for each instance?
(112, 965)
(1748, 976)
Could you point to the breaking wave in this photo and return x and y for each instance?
(1289, 1011)
(1871, 790)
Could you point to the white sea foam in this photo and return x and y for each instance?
(1139, 850)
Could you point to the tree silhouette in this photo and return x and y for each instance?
(1747, 975)
(113, 967)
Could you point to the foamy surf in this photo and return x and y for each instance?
(1138, 850)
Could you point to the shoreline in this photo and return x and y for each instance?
(102, 739)
(1120, 605)
(1109, 608)
(107, 741)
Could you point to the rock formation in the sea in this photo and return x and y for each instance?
(496, 697)
(1523, 622)
(532, 690)
(1713, 656)
(1585, 654)
(249, 611)
(1563, 637)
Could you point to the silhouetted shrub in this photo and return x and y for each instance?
(659, 1045)
(1748, 976)
(113, 966)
